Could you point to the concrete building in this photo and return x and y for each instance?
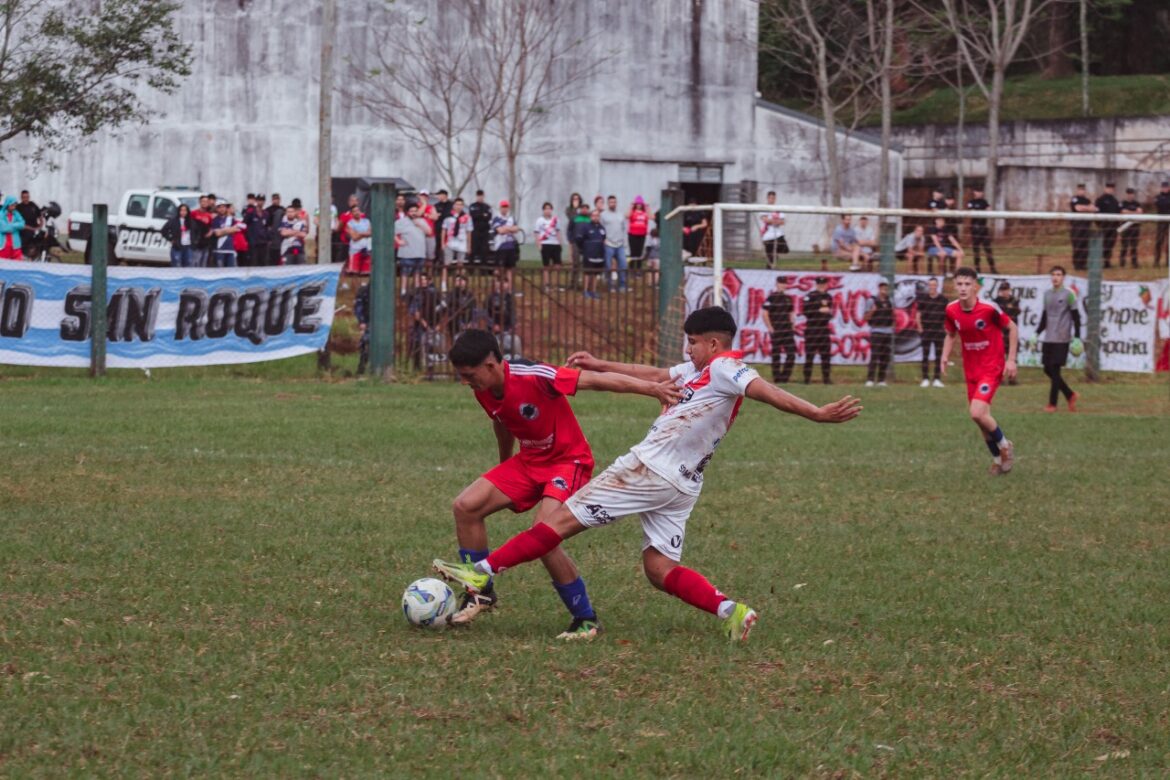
(674, 102)
(1040, 161)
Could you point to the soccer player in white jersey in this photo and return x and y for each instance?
(661, 477)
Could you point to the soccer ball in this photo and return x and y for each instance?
(1076, 348)
(428, 602)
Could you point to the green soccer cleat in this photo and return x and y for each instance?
(581, 629)
(473, 580)
(739, 625)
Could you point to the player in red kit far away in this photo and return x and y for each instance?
(980, 327)
(528, 403)
(661, 477)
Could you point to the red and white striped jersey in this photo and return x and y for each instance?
(684, 437)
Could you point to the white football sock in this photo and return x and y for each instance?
(726, 607)
(483, 567)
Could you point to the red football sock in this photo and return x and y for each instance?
(693, 588)
(525, 546)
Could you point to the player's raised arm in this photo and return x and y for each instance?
(586, 362)
(839, 411)
(666, 391)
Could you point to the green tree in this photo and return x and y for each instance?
(69, 69)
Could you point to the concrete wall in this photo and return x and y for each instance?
(1131, 151)
(677, 86)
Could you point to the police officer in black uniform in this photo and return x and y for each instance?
(1107, 203)
(1129, 239)
(481, 229)
(880, 318)
(817, 307)
(778, 316)
(1162, 206)
(937, 202)
(1079, 231)
(980, 234)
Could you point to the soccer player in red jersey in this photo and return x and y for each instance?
(980, 327)
(527, 403)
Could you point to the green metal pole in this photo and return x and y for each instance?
(382, 277)
(98, 257)
(670, 279)
(1093, 309)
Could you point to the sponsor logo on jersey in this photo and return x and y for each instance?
(529, 411)
(598, 513)
(560, 483)
(538, 444)
(743, 370)
(676, 541)
(687, 394)
(976, 346)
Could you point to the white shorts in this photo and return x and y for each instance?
(453, 256)
(628, 487)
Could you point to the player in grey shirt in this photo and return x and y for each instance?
(1061, 319)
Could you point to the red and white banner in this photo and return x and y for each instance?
(1129, 313)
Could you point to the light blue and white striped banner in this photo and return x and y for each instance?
(162, 317)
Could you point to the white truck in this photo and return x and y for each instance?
(135, 232)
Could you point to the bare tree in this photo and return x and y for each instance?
(430, 85)
(538, 61)
(989, 35)
(826, 41)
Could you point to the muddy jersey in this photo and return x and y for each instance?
(535, 410)
(684, 437)
(980, 333)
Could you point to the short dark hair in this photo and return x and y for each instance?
(547, 205)
(1056, 268)
(712, 319)
(472, 347)
(771, 192)
(967, 272)
(479, 192)
(457, 200)
(442, 192)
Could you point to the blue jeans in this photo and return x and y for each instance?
(618, 253)
(180, 257)
(225, 259)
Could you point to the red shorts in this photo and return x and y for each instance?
(9, 253)
(359, 263)
(527, 483)
(983, 388)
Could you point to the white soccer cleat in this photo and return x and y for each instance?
(1007, 456)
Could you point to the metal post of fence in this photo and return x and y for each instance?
(888, 266)
(670, 276)
(99, 243)
(1093, 310)
(382, 277)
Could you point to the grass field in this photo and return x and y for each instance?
(200, 575)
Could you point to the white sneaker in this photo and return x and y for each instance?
(869, 383)
(854, 268)
(936, 383)
(882, 384)
(924, 383)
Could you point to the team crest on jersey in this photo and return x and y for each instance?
(980, 324)
(529, 411)
(560, 483)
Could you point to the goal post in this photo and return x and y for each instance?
(1125, 315)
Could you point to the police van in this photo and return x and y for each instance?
(135, 232)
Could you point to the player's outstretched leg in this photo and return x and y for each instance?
(693, 588)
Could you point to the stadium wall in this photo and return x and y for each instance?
(678, 89)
